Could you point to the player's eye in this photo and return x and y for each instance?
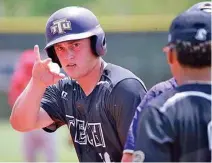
(75, 46)
(59, 48)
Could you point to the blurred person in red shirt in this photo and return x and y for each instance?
(36, 140)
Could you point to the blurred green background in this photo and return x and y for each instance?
(114, 15)
(99, 7)
(136, 32)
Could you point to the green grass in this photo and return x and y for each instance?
(18, 8)
(10, 145)
(114, 15)
(109, 23)
(139, 7)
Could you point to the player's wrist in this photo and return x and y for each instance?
(130, 151)
(37, 83)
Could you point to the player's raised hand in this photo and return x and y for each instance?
(44, 71)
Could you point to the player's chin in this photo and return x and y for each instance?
(76, 73)
(73, 74)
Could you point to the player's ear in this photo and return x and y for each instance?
(167, 51)
(170, 55)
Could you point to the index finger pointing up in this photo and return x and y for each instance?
(37, 52)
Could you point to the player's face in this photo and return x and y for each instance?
(76, 57)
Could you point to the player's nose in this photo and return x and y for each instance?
(69, 55)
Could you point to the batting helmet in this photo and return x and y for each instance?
(202, 6)
(73, 23)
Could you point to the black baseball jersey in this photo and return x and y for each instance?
(176, 129)
(98, 122)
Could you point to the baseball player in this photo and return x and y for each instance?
(98, 99)
(153, 93)
(35, 141)
(176, 126)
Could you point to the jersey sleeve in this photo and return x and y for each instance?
(155, 136)
(52, 104)
(130, 141)
(124, 100)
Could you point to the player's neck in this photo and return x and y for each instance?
(90, 80)
(195, 75)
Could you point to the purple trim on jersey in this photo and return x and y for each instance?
(155, 91)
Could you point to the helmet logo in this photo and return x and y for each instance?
(59, 26)
(201, 34)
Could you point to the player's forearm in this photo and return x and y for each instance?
(26, 108)
(127, 157)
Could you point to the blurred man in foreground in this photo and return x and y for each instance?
(154, 92)
(177, 126)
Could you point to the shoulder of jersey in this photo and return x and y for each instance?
(117, 73)
(163, 87)
(158, 101)
(158, 89)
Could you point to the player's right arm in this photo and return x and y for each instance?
(26, 113)
(131, 135)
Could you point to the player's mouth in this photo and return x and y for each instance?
(71, 65)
